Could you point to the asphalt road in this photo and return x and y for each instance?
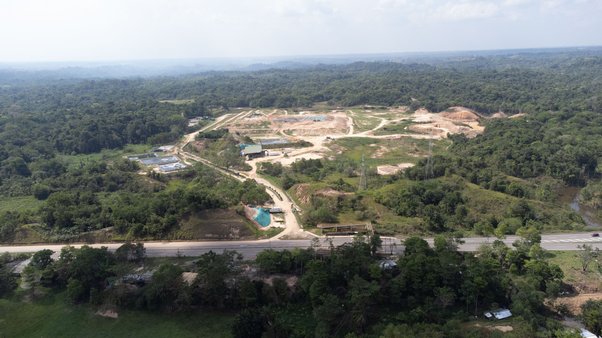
(249, 249)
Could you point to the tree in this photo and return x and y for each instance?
(587, 255)
(76, 291)
(363, 295)
(249, 323)
(271, 261)
(130, 252)
(375, 243)
(41, 259)
(213, 270)
(84, 269)
(567, 333)
(591, 314)
(7, 280)
(41, 191)
(167, 290)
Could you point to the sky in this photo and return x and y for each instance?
(108, 30)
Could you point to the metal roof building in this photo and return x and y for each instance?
(252, 149)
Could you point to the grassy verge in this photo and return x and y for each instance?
(570, 263)
(55, 318)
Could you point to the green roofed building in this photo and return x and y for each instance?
(252, 151)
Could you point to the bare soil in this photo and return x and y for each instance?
(108, 314)
(302, 193)
(334, 124)
(454, 120)
(574, 303)
(499, 115)
(189, 277)
(392, 169)
(332, 193)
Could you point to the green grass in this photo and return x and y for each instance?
(21, 204)
(104, 155)
(363, 122)
(483, 202)
(55, 318)
(570, 263)
(400, 127)
(378, 152)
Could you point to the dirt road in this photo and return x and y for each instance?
(317, 150)
(280, 198)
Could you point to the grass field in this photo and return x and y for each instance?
(21, 204)
(105, 154)
(400, 127)
(377, 152)
(364, 122)
(55, 318)
(570, 263)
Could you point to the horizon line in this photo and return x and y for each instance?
(289, 57)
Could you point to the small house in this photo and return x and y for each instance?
(252, 151)
(498, 314)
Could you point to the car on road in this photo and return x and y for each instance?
(595, 234)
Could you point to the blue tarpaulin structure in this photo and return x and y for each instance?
(262, 217)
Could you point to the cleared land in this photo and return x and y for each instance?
(398, 135)
(586, 284)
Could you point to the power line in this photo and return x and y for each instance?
(363, 180)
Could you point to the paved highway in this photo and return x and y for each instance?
(249, 249)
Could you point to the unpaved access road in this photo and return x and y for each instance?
(281, 199)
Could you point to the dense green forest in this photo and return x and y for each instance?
(46, 125)
(342, 292)
(99, 196)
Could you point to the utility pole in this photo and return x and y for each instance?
(428, 169)
(363, 181)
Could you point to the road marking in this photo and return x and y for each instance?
(573, 240)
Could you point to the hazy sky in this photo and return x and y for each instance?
(84, 30)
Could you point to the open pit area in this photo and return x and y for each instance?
(391, 139)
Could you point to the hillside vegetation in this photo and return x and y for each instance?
(61, 143)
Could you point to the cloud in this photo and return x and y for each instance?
(300, 8)
(458, 11)
(150, 29)
(510, 3)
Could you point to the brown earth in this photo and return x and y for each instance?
(392, 169)
(332, 193)
(189, 277)
(454, 120)
(503, 328)
(302, 193)
(380, 152)
(108, 314)
(460, 114)
(574, 303)
(335, 123)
